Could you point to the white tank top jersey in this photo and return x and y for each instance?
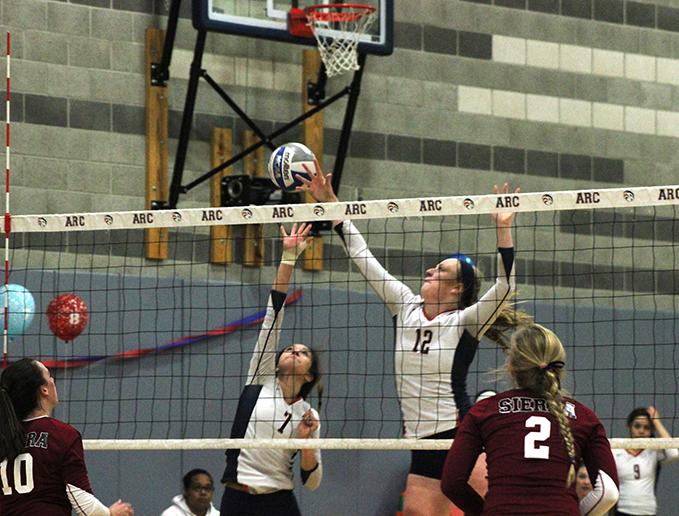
(432, 357)
(263, 413)
(637, 476)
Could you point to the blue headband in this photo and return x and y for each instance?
(467, 273)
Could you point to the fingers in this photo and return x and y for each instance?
(305, 229)
(505, 189)
(304, 180)
(299, 231)
(310, 418)
(312, 173)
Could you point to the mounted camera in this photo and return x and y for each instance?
(245, 190)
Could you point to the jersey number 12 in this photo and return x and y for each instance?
(21, 487)
(422, 340)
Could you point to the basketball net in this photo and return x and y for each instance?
(339, 52)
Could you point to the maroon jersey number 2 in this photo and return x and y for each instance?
(531, 448)
(23, 484)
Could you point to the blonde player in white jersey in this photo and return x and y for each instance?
(259, 482)
(437, 334)
(637, 469)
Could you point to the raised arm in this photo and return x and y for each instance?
(480, 316)
(263, 361)
(391, 291)
(670, 454)
(310, 462)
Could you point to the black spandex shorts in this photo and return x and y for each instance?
(429, 463)
(237, 503)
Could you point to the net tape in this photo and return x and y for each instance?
(640, 197)
(326, 444)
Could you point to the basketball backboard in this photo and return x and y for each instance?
(268, 19)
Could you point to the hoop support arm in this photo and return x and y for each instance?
(232, 104)
(343, 145)
(252, 148)
(160, 72)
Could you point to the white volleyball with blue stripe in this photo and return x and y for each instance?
(287, 164)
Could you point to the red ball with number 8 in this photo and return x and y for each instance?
(67, 316)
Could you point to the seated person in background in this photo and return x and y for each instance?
(196, 499)
(638, 468)
(582, 484)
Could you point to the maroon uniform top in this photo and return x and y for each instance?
(526, 455)
(53, 458)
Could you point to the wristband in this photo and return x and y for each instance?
(289, 257)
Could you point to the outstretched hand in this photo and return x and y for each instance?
(319, 186)
(653, 412)
(121, 508)
(297, 240)
(504, 220)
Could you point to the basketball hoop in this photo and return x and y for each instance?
(338, 28)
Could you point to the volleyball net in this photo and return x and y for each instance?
(163, 354)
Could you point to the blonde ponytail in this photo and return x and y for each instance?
(552, 393)
(535, 362)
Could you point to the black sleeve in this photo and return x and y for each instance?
(340, 231)
(278, 300)
(507, 254)
(464, 356)
(306, 474)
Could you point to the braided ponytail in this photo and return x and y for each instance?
(535, 362)
(552, 394)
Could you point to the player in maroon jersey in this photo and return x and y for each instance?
(42, 468)
(533, 438)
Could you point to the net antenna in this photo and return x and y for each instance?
(337, 29)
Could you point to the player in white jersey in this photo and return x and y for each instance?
(638, 469)
(259, 482)
(437, 334)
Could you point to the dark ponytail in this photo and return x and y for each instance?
(508, 316)
(19, 386)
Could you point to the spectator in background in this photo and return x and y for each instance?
(583, 486)
(196, 499)
(638, 468)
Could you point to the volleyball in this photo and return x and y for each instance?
(287, 164)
